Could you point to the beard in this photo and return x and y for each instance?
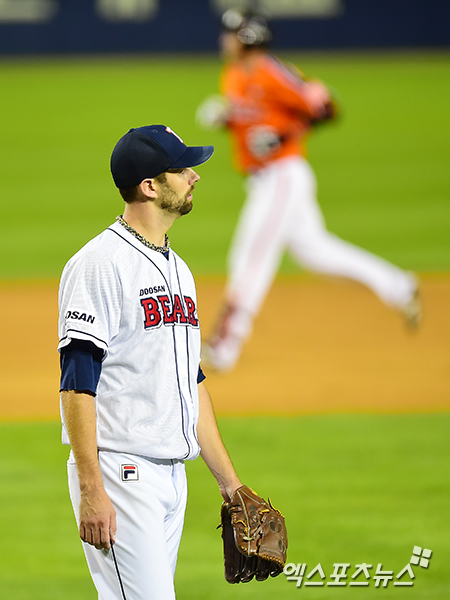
(173, 203)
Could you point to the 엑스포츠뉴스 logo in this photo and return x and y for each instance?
(360, 574)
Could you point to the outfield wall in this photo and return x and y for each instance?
(108, 26)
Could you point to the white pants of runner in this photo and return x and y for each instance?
(150, 517)
(281, 213)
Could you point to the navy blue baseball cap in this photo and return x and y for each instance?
(146, 152)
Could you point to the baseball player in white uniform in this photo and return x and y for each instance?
(133, 403)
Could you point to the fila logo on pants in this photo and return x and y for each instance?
(129, 473)
(161, 310)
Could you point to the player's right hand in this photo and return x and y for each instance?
(97, 519)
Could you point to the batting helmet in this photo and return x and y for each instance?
(251, 29)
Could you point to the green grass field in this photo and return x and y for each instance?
(382, 168)
(354, 488)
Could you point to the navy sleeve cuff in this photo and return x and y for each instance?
(201, 376)
(81, 365)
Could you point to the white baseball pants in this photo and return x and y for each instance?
(150, 516)
(282, 213)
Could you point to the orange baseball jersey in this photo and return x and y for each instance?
(270, 111)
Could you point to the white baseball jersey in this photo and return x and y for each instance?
(140, 308)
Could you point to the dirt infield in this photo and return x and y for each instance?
(318, 346)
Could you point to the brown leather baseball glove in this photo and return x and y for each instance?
(254, 537)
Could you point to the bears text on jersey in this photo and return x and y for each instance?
(164, 310)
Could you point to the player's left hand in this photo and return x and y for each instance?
(254, 537)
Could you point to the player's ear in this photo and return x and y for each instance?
(147, 187)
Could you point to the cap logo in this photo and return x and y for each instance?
(173, 133)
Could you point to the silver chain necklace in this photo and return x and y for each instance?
(142, 239)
